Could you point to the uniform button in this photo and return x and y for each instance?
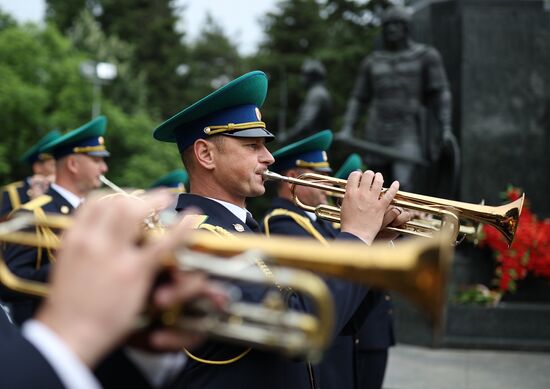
(387, 297)
(356, 341)
(390, 311)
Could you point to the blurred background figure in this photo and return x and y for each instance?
(176, 181)
(80, 161)
(43, 169)
(351, 164)
(373, 339)
(100, 286)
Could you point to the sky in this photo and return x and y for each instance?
(238, 18)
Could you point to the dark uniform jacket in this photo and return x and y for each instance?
(337, 368)
(257, 369)
(21, 364)
(20, 190)
(117, 370)
(32, 263)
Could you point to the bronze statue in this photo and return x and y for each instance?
(315, 113)
(405, 89)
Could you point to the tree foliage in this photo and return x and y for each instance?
(41, 88)
(129, 88)
(150, 26)
(213, 61)
(159, 73)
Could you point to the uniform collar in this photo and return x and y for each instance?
(71, 198)
(239, 212)
(311, 215)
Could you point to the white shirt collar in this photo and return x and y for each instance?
(234, 209)
(311, 215)
(73, 199)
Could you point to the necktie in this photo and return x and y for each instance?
(251, 223)
(326, 227)
(4, 315)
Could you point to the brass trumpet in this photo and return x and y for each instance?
(504, 218)
(417, 269)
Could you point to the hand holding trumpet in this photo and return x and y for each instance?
(102, 279)
(364, 211)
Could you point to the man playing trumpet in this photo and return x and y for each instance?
(79, 160)
(42, 164)
(98, 288)
(222, 142)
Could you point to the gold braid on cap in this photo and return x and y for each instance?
(88, 149)
(230, 127)
(313, 165)
(44, 156)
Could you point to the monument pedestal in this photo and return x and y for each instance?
(497, 56)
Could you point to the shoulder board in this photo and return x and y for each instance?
(195, 221)
(11, 190)
(220, 231)
(302, 221)
(36, 203)
(35, 206)
(16, 185)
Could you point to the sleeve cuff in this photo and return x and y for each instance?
(70, 370)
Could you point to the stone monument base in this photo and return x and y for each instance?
(508, 326)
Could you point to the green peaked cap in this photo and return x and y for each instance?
(34, 153)
(235, 103)
(351, 164)
(309, 152)
(172, 179)
(86, 139)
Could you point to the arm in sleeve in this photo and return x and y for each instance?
(348, 296)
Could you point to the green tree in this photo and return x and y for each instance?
(213, 61)
(150, 26)
(41, 88)
(63, 13)
(6, 20)
(128, 89)
(294, 31)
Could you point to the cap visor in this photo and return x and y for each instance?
(252, 133)
(104, 153)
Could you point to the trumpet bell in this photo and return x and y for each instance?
(504, 218)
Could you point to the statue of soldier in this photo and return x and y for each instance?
(315, 113)
(405, 89)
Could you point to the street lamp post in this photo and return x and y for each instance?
(98, 73)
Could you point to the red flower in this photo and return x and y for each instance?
(530, 251)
